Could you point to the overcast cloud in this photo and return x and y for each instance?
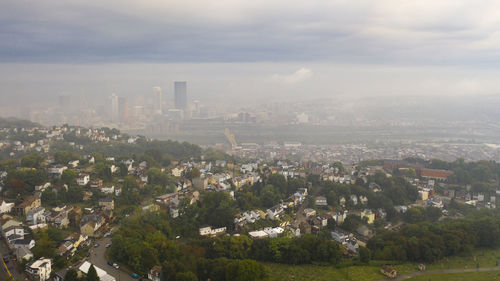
(241, 49)
(383, 31)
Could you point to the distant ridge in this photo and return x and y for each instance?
(12, 122)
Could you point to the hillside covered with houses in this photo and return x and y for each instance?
(175, 209)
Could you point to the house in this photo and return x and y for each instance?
(97, 183)
(8, 221)
(83, 179)
(340, 236)
(354, 199)
(74, 163)
(118, 191)
(320, 201)
(5, 207)
(40, 269)
(168, 198)
(23, 253)
(154, 273)
(351, 245)
(258, 234)
(340, 216)
(274, 212)
(102, 274)
(28, 204)
(56, 171)
(107, 203)
(108, 189)
(209, 231)
(388, 271)
(90, 224)
(176, 172)
(36, 216)
(273, 232)
(174, 212)
(309, 212)
(342, 201)
(374, 187)
(364, 230)
(295, 230)
(369, 215)
(58, 216)
(12, 233)
(28, 243)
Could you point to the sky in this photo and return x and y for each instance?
(239, 49)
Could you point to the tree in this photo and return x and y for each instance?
(92, 274)
(31, 160)
(69, 176)
(186, 276)
(364, 254)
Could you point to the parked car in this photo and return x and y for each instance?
(107, 245)
(96, 245)
(110, 263)
(116, 266)
(134, 275)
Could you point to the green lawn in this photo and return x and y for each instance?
(314, 272)
(471, 276)
(485, 258)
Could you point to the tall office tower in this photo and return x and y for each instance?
(64, 102)
(114, 108)
(123, 110)
(180, 93)
(157, 100)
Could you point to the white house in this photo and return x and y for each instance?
(5, 207)
(108, 189)
(36, 216)
(208, 230)
(83, 179)
(40, 269)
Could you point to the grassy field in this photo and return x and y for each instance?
(485, 258)
(471, 276)
(318, 273)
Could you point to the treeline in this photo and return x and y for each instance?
(267, 193)
(304, 250)
(12, 122)
(428, 242)
(157, 149)
(145, 241)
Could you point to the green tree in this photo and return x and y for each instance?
(71, 275)
(69, 177)
(364, 254)
(31, 161)
(92, 274)
(186, 276)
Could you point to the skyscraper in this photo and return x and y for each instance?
(180, 93)
(157, 100)
(123, 110)
(114, 108)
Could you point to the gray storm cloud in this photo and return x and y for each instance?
(386, 31)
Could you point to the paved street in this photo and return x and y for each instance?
(98, 258)
(6, 268)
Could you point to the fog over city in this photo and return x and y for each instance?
(336, 62)
(256, 140)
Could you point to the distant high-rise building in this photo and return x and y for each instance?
(114, 108)
(180, 93)
(64, 102)
(157, 100)
(123, 109)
